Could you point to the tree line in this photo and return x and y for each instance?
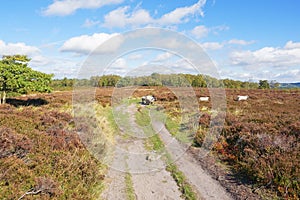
(17, 77)
(156, 79)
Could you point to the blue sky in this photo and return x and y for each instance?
(247, 40)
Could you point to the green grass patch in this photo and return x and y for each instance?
(172, 125)
(184, 186)
(120, 118)
(154, 143)
(129, 187)
(142, 117)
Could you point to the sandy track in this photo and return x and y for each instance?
(206, 186)
(116, 186)
(149, 177)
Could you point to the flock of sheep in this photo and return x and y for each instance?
(146, 100)
(238, 98)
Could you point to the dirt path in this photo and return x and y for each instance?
(206, 186)
(149, 178)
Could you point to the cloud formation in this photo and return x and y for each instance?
(240, 42)
(278, 57)
(17, 48)
(85, 44)
(89, 23)
(67, 7)
(122, 17)
(202, 31)
(211, 46)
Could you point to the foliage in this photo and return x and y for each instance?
(129, 187)
(264, 84)
(62, 84)
(17, 77)
(41, 155)
(155, 79)
(107, 80)
(185, 188)
(260, 139)
(142, 117)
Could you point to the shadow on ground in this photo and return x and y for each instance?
(27, 102)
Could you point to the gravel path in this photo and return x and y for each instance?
(116, 186)
(206, 186)
(149, 178)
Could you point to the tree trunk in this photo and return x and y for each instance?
(4, 97)
(0, 98)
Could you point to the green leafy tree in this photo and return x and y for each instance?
(108, 80)
(264, 84)
(16, 76)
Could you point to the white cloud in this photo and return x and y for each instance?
(180, 15)
(60, 66)
(122, 17)
(120, 63)
(85, 44)
(216, 29)
(272, 63)
(119, 66)
(240, 42)
(203, 31)
(67, 7)
(292, 45)
(17, 48)
(284, 57)
(211, 46)
(182, 66)
(200, 31)
(163, 57)
(39, 60)
(168, 43)
(90, 23)
(135, 56)
(288, 76)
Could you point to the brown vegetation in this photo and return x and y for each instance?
(259, 142)
(260, 138)
(41, 156)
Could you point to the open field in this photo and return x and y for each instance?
(41, 153)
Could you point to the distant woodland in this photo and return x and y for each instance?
(155, 79)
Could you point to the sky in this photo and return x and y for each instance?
(246, 40)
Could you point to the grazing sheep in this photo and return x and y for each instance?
(146, 100)
(242, 98)
(204, 98)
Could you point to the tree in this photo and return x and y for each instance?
(274, 84)
(264, 84)
(16, 76)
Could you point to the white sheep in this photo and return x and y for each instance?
(242, 98)
(204, 98)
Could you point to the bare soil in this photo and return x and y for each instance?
(149, 178)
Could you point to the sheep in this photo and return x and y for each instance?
(242, 98)
(204, 98)
(146, 100)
